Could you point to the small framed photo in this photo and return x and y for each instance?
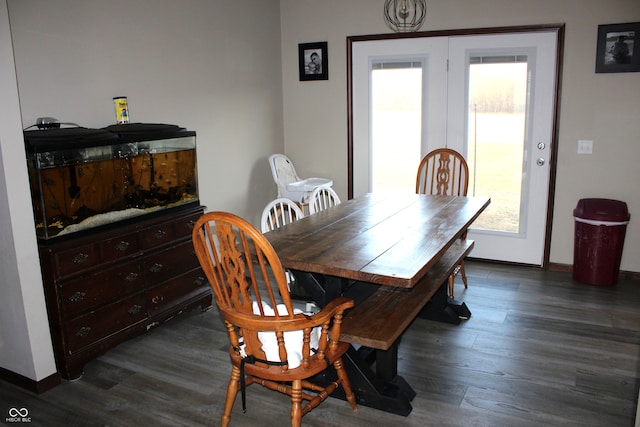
(618, 49)
(314, 61)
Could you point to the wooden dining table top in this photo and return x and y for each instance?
(378, 239)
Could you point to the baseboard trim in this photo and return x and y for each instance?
(34, 386)
(564, 268)
(568, 268)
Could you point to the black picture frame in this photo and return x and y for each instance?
(313, 61)
(618, 49)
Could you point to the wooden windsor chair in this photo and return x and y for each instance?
(270, 343)
(444, 172)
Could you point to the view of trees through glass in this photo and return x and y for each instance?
(396, 129)
(496, 126)
(496, 130)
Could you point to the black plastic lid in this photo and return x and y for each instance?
(53, 139)
(42, 140)
(132, 132)
(602, 210)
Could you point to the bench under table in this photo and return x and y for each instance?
(377, 324)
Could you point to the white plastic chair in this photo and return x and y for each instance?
(279, 212)
(290, 185)
(322, 198)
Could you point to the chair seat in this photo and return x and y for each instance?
(308, 184)
(289, 184)
(276, 373)
(293, 339)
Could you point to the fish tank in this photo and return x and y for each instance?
(84, 178)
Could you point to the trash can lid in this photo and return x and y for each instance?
(602, 210)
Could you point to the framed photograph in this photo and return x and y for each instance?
(314, 61)
(618, 48)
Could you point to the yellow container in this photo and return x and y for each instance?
(122, 109)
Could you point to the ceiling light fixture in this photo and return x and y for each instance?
(404, 16)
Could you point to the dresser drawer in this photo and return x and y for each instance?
(76, 259)
(176, 291)
(119, 247)
(108, 320)
(165, 232)
(103, 286)
(170, 262)
(184, 225)
(157, 235)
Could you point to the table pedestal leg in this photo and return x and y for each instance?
(322, 289)
(442, 309)
(382, 389)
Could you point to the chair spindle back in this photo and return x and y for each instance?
(443, 172)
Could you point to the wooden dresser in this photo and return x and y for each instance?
(107, 285)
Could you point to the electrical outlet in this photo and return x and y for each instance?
(585, 146)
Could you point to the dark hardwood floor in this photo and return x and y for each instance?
(538, 350)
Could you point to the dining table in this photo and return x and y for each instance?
(373, 243)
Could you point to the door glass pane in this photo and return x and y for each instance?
(396, 104)
(497, 115)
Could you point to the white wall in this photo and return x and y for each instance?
(212, 66)
(600, 107)
(24, 329)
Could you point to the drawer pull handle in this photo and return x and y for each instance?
(200, 281)
(135, 309)
(83, 332)
(156, 268)
(81, 258)
(78, 296)
(157, 299)
(131, 277)
(191, 224)
(122, 246)
(160, 234)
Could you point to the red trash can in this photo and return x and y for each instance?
(601, 225)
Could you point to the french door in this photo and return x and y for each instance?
(491, 97)
(390, 131)
(507, 139)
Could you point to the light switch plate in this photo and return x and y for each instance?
(585, 146)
